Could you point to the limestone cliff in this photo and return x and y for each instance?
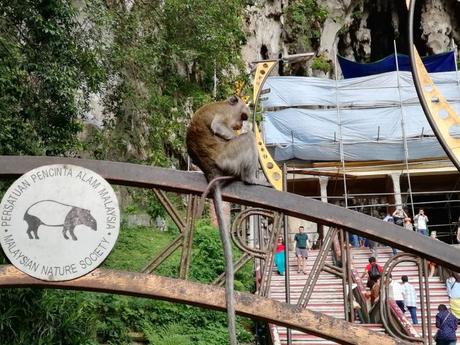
(362, 30)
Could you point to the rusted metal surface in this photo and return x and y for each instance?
(343, 259)
(264, 251)
(169, 207)
(359, 295)
(186, 255)
(348, 278)
(185, 238)
(243, 260)
(208, 296)
(164, 254)
(388, 321)
(290, 204)
(268, 267)
(316, 269)
(237, 231)
(426, 284)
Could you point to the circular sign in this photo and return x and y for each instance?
(59, 222)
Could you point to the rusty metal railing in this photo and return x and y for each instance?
(385, 308)
(142, 284)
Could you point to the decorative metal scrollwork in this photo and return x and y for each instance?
(385, 309)
(266, 242)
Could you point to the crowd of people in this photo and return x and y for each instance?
(400, 218)
(402, 292)
(405, 297)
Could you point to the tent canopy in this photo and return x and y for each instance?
(444, 62)
(306, 118)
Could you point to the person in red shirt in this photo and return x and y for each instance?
(373, 271)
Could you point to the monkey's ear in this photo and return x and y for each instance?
(233, 100)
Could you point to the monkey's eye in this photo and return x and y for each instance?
(244, 116)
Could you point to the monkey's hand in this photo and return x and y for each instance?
(219, 128)
(224, 133)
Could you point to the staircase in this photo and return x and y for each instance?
(327, 295)
(437, 288)
(327, 298)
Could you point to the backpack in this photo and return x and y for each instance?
(374, 272)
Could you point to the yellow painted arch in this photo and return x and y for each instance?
(272, 171)
(441, 115)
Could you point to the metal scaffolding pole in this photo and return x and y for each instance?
(455, 63)
(339, 117)
(415, 203)
(406, 149)
(287, 275)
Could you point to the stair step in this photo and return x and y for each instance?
(327, 296)
(305, 338)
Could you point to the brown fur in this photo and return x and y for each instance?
(215, 147)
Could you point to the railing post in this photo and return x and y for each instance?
(347, 275)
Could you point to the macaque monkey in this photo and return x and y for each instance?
(216, 148)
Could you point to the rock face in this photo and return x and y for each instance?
(362, 30)
(264, 27)
(340, 16)
(439, 26)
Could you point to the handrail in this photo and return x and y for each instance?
(336, 251)
(129, 174)
(385, 310)
(401, 318)
(358, 292)
(207, 296)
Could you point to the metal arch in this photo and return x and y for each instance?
(264, 252)
(257, 196)
(424, 298)
(441, 116)
(271, 170)
(207, 296)
(236, 233)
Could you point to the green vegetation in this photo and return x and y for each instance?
(160, 65)
(148, 64)
(304, 19)
(320, 63)
(48, 68)
(50, 317)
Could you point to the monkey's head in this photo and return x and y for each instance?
(240, 112)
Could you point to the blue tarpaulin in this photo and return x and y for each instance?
(314, 119)
(444, 62)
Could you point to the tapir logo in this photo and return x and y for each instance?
(52, 213)
(59, 222)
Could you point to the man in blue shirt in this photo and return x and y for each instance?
(446, 323)
(410, 298)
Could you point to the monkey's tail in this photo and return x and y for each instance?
(211, 184)
(229, 276)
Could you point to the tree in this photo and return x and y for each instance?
(48, 67)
